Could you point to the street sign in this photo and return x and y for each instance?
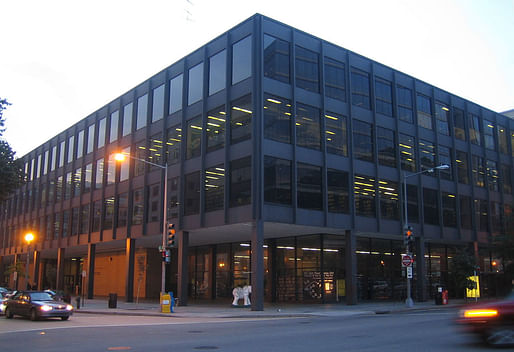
(407, 260)
(409, 272)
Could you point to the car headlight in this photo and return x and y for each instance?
(46, 308)
(69, 307)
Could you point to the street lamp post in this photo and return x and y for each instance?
(121, 157)
(408, 301)
(29, 237)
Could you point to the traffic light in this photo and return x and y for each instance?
(171, 235)
(409, 237)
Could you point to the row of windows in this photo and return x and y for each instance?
(307, 76)
(278, 189)
(136, 115)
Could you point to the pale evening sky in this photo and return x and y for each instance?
(60, 60)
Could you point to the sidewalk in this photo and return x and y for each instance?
(205, 309)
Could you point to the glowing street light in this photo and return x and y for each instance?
(120, 157)
(29, 237)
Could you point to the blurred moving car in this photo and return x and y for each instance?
(4, 296)
(493, 321)
(36, 305)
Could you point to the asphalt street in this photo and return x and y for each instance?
(431, 330)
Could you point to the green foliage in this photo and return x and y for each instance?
(462, 266)
(19, 268)
(11, 169)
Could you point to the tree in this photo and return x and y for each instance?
(462, 266)
(11, 169)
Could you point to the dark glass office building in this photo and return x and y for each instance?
(285, 158)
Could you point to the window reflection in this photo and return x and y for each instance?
(216, 119)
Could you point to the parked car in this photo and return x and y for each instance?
(36, 305)
(493, 321)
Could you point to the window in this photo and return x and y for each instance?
(173, 144)
(122, 210)
(124, 167)
(424, 111)
(80, 149)
(58, 189)
(194, 137)
(407, 152)
(386, 147)
(492, 175)
(111, 170)
(176, 94)
(364, 195)
(277, 118)
(142, 111)
(389, 199)
(75, 224)
(363, 140)
(141, 154)
(68, 184)
(308, 126)
(54, 158)
(97, 216)
(242, 60)
(360, 88)
(108, 213)
(127, 119)
(173, 186)
(113, 133)
(502, 139)
(84, 219)
(449, 210)
(307, 69)
(412, 203)
(155, 151)
(217, 72)
(442, 115)
(99, 173)
(276, 58)
(336, 138)
(240, 182)
(241, 119)
(88, 174)
(71, 145)
(426, 156)
(506, 178)
(496, 217)
(90, 139)
(459, 128)
(466, 217)
(404, 104)
(158, 103)
(277, 180)
(77, 180)
(308, 187)
(489, 135)
(214, 188)
(477, 168)
(57, 225)
(430, 206)
(47, 160)
(39, 166)
(474, 128)
(137, 206)
(462, 167)
(384, 97)
(481, 216)
(154, 199)
(216, 128)
(335, 82)
(101, 132)
(338, 194)
(445, 158)
(192, 193)
(62, 151)
(195, 92)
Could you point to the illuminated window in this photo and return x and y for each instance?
(194, 137)
(277, 118)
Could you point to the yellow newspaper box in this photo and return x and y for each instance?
(165, 303)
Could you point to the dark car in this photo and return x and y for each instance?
(36, 305)
(494, 321)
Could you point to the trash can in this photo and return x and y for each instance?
(113, 300)
(439, 295)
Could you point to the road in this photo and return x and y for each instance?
(431, 330)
